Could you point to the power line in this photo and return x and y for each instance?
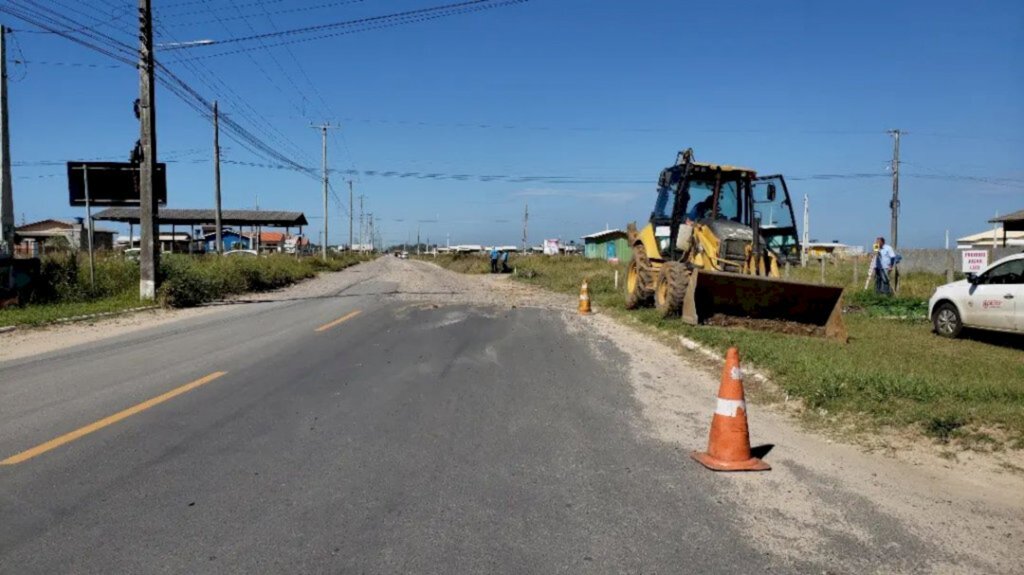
(262, 4)
(360, 25)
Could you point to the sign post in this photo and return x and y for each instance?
(114, 184)
(88, 214)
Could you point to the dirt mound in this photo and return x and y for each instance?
(773, 325)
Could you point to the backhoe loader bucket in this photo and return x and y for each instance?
(788, 306)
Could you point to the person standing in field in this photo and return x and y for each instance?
(494, 259)
(885, 259)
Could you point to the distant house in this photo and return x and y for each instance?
(272, 241)
(43, 236)
(231, 239)
(832, 249)
(611, 245)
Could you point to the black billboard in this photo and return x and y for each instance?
(112, 183)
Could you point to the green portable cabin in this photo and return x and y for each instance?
(611, 245)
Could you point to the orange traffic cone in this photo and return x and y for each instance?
(584, 298)
(729, 444)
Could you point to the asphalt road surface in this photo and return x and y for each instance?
(351, 433)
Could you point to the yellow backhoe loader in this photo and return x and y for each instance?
(713, 248)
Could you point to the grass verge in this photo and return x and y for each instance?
(65, 290)
(893, 375)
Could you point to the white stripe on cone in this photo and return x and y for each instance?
(729, 407)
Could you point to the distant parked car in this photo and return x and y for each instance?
(241, 253)
(404, 255)
(992, 300)
(132, 254)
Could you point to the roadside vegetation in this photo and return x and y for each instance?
(894, 375)
(64, 288)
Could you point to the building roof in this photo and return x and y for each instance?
(986, 236)
(1017, 216)
(597, 235)
(207, 217)
(48, 224)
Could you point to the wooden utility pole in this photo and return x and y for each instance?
(6, 188)
(351, 217)
(149, 256)
(894, 204)
(216, 178)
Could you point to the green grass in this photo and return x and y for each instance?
(65, 290)
(32, 315)
(893, 373)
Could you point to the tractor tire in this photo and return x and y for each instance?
(639, 280)
(671, 288)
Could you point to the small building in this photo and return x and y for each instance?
(1011, 224)
(832, 250)
(611, 245)
(1000, 237)
(49, 235)
(232, 240)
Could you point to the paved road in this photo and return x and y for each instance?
(349, 433)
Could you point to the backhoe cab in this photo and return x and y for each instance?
(713, 246)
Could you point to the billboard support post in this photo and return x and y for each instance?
(88, 214)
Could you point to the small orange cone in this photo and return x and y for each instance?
(729, 444)
(584, 298)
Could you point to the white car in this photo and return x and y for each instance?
(993, 300)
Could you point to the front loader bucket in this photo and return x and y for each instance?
(792, 307)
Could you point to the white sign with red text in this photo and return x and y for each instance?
(974, 261)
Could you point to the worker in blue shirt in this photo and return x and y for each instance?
(494, 259)
(885, 259)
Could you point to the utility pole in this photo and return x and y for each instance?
(526, 219)
(351, 211)
(373, 244)
(323, 131)
(417, 239)
(894, 204)
(807, 231)
(6, 188)
(149, 256)
(362, 220)
(216, 177)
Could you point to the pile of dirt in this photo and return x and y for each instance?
(772, 325)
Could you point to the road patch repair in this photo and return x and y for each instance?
(824, 496)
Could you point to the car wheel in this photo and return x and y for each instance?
(946, 320)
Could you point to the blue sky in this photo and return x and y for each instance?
(602, 94)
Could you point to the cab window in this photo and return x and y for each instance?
(701, 200)
(729, 207)
(663, 206)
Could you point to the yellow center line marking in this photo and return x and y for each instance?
(343, 318)
(109, 420)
